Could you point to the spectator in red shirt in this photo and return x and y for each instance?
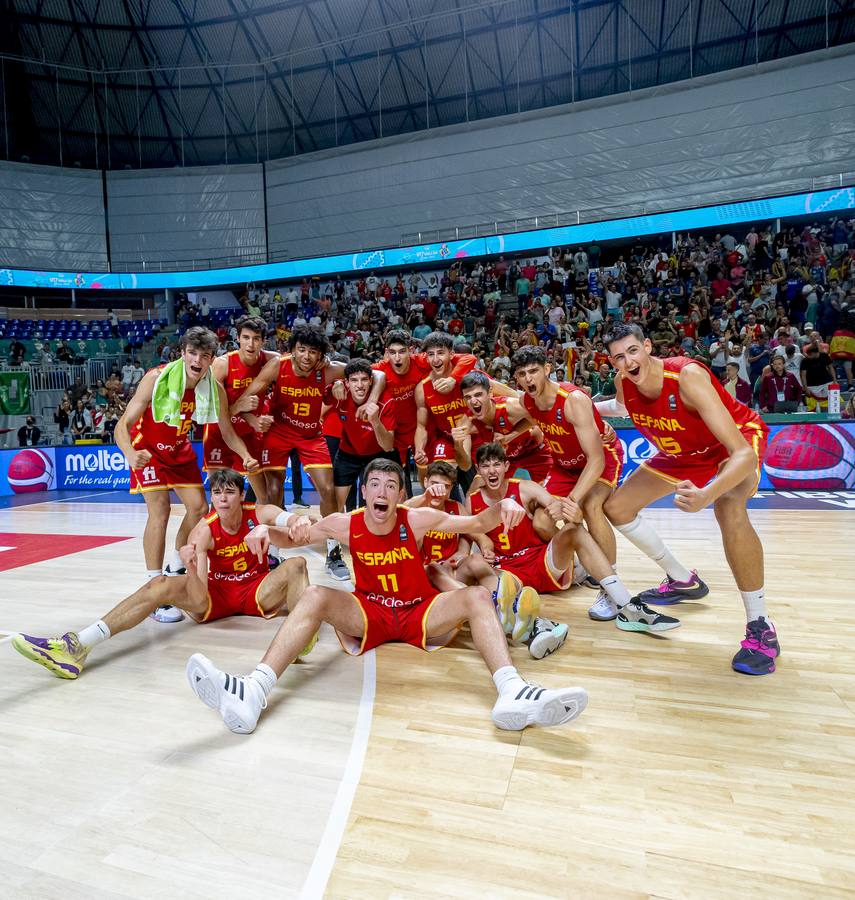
(778, 386)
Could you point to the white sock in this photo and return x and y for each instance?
(93, 634)
(508, 680)
(755, 604)
(264, 677)
(175, 561)
(153, 573)
(616, 590)
(645, 537)
(332, 546)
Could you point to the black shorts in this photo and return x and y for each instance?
(347, 468)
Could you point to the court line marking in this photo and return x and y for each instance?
(325, 856)
(63, 500)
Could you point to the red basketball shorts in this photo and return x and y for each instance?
(218, 455)
(279, 442)
(538, 464)
(700, 468)
(234, 598)
(157, 475)
(440, 448)
(561, 481)
(388, 624)
(533, 568)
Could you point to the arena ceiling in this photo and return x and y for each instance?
(151, 83)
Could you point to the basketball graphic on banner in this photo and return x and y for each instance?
(31, 471)
(811, 457)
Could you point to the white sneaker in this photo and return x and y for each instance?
(580, 573)
(535, 705)
(167, 614)
(239, 700)
(604, 609)
(298, 507)
(546, 637)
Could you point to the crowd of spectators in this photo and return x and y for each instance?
(771, 313)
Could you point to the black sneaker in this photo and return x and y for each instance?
(635, 616)
(546, 637)
(671, 591)
(759, 650)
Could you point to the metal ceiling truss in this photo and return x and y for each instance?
(136, 83)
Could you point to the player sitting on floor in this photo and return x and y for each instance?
(224, 578)
(392, 601)
(535, 564)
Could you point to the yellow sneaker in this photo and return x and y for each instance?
(63, 656)
(310, 646)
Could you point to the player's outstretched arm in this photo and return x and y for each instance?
(420, 440)
(304, 532)
(533, 493)
(697, 392)
(613, 407)
(498, 389)
(230, 436)
(137, 405)
(507, 513)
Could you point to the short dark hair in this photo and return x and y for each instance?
(199, 338)
(438, 339)
(221, 478)
(475, 379)
(621, 330)
(443, 468)
(397, 336)
(490, 451)
(358, 365)
(528, 356)
(388, 466)
(252, 323)
(309, 336)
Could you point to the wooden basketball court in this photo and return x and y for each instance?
(682, 778)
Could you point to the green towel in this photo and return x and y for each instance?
(169, 389)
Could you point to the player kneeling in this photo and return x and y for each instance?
(227, 575)
(535, 564)
(392, 601)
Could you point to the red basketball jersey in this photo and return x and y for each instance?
(357, 435)
(502, 424)
(388, 568)
(444, 410)
(665, 420)
(440, 545)
(297, 400)
(238, 378)
(559, 434)
(229, 559)
(521, 538)
(162, 440)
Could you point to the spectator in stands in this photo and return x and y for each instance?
(780, 391)
(603, 383)
(817, 373)
(735, 386)
(205, 309)
(62, 417)
(17, 352)
(29, 434)
(81, 420)
(523, 292)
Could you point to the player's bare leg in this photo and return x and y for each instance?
(282, 589)
(154, 537)
(341, 495)
(195, 508)
(744, 553)
(622, 510)
(544, 526)
(259, 487)
(65, 656)
(519, 704)
(274, 480)
(598, 525)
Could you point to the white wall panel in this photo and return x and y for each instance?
(759, 130)
(51, 218)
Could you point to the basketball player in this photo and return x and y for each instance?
(362, 439)
(437, 412)
(392, 601)
(236, 371)
(538, 565)
(404, 370)
(585, 468)
(162, 458)
(710, 449)
(226, 576)
(442, 548)
(502, 420)
(298, 381)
